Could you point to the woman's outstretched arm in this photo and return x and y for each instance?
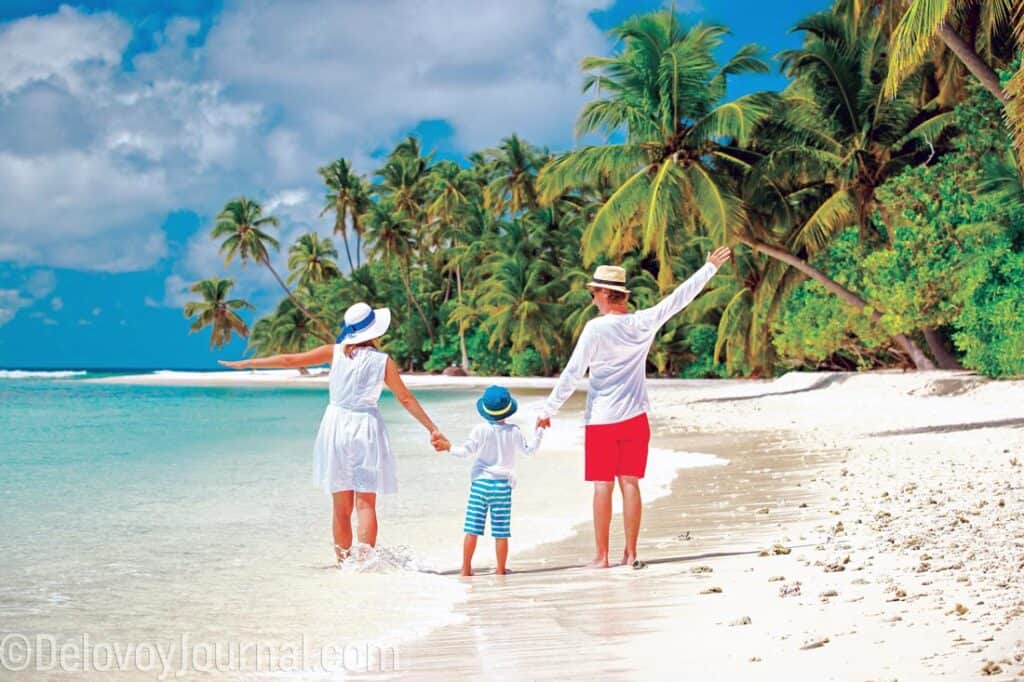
(317, 356)
(393, 380)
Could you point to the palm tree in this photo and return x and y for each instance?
(519, 298)
(348, 197)
(216, 311)
(515, 165)
(985, 24)
(390, 234)
(404, 176)
(311, 259)
(665, 90)
(242, 225)
(452, 189)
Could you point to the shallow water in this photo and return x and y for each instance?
(139, 514)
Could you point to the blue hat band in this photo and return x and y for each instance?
(350, 329)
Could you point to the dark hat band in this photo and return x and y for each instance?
(595, 280)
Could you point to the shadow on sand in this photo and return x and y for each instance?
(950, 428)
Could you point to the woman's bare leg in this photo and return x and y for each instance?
(468, 547)
(501, 551)
(366, 512)
(342, 524)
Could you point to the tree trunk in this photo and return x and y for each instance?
(936, 345)
(344, 238)
(323, 334)
(405, 277)
(918, 357)
(359, 240)
(462, 330)
(975, 64)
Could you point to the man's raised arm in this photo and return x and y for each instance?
(657, 315)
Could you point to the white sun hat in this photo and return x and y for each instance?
(609, 277)
(363, 323)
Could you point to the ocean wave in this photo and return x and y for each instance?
(32, 374)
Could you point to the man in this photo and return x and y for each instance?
(614, 348)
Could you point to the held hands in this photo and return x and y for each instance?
(543, 423)
(439, 441)
(719, 256)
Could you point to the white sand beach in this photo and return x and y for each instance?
(867, 527)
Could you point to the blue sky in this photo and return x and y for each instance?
(125, 125)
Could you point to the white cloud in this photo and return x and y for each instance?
(34, 286)
(101, 154)
(11, 301)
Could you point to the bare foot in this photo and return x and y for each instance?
(467, 572)
(628, 559)
(501, 571)
(598, 563)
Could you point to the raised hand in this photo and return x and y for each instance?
(233, 364)
(719, 256)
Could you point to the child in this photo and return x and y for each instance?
(494, 444)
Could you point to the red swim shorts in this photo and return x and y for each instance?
(618, 449)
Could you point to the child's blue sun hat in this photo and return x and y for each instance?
(496, 404)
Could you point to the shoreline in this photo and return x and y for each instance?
(281, 378)
(898, 503)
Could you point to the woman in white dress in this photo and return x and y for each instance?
(352, 458)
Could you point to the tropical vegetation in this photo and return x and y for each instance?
(874, 206)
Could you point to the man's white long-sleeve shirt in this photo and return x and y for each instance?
(614, 348)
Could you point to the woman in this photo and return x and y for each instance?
(352, 457)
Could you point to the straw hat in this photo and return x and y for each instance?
(363, 323)
(609, 277)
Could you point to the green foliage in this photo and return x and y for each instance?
(485, 263)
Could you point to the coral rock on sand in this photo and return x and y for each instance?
(816, 644)
(775, 550)
(790, 590)
(776, 578)
(701, 569)
(745, 620)
(712, 590)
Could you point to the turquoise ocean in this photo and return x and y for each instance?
(149, 514)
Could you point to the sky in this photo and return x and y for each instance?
(126, 125)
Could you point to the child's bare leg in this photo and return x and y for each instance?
(468, 547)
(501, 550)
(366, 511)
(342, 522)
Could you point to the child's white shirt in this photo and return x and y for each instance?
(494, 447)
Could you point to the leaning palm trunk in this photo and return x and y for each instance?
(943, 357)
(975, 64)
(322, 333)
(917, 356)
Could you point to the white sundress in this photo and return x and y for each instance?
(352, 451)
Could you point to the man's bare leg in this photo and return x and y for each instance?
(468, 547)
(602, 521)
(342, 523)
(632, 509)
(501, 551)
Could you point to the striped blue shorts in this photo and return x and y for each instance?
(493, 494)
